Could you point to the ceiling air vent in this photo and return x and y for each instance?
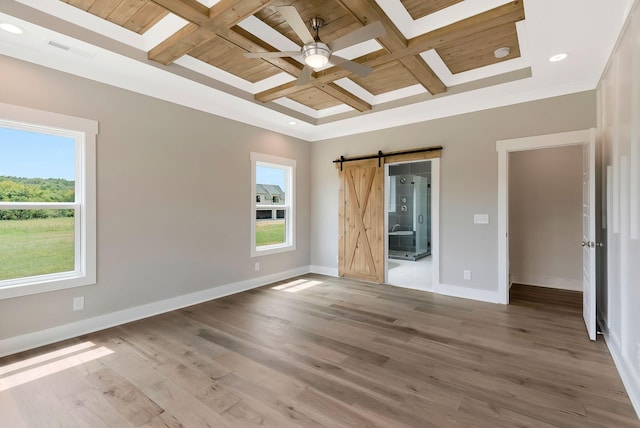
(71, 49)
(59, 45)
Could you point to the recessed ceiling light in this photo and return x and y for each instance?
(558, 57)
(10, 28)
(502, 52)
(292, 122)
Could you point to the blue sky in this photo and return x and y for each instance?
(33, 155)
(267, 175)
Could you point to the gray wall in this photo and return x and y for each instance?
(173, 198)
(545, 217)
(468, 178)
(619, 106)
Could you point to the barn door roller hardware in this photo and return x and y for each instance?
(380, 156)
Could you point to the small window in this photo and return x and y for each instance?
(258, 198)
(273, 220)
(47, 201)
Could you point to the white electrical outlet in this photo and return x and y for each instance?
(257, 266)
(78, 303)
(466, 274)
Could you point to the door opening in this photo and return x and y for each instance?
(587, 140)
(411, 223)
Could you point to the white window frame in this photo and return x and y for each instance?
(288, 206)
(84, 132)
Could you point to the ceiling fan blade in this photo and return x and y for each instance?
(270, 54)
(371, 31)
(352, 66)
(291, 15)
(305, 76)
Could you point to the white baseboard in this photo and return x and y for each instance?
(630, 377)
(547, 281)
(324, 270)
(27, 341)
(447, 290)
(468, 293)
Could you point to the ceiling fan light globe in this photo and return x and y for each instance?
(316, 55)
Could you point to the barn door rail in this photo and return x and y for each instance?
(380, 155)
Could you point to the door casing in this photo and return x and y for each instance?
(504, 147)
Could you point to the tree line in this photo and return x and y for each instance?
(20, 189)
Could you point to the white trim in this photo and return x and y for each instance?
(84, 132)
(324, 270)
(49, 119)
(503, 147)
(27, 341)
(289, 167)
(504, 282)
(630, 378)
(535, 142)
(435, 220)
(490, 296)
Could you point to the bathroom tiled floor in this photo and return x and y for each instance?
(411, 274)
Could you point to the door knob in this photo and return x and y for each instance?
(584, 244)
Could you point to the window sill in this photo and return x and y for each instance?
(42, 284)
(272, 249)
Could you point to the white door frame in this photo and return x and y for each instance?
(435, 221)
(504, 147)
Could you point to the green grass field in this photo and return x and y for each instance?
(36, 247)
(269, 232)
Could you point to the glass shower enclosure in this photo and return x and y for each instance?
(409, 210)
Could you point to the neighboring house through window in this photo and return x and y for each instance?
(47, 201)
(273, 215)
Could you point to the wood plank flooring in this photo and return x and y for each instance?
(325, 352)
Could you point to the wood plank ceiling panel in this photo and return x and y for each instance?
(134, 15)
(145, 18)
(103, 8)
(386, 78)
(125, 11)
(314, 98)
(228, 57)
(80, 4)
(477, 50)
(420, 8)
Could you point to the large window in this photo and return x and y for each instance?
(47, 201)
(273, 216)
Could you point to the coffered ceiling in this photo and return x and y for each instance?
(436, 58)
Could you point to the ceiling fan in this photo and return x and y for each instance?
(315, 53)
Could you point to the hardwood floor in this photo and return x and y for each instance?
(319, 351)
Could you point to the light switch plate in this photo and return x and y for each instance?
(481, 218)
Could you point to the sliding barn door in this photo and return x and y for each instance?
(361, 221)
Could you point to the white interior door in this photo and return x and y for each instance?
(589, 235)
